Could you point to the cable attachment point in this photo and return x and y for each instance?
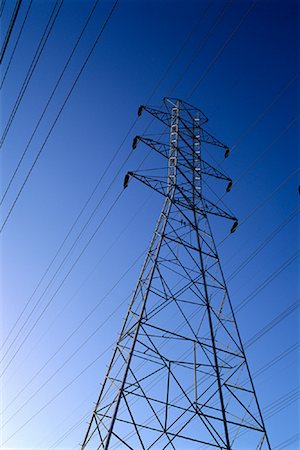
(234, 226)
(226, 152)
(229, 186)
(135, 142)
(140, 110)
(126, 179)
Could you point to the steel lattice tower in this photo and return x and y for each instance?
(178, 377)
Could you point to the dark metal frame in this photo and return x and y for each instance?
(178, 377)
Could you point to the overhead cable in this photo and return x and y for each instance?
(59, 113)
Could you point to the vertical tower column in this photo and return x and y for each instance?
(173, 147)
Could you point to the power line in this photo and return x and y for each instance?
(10, 28)
(41, 117)
(80, 287)
(265, 111)
(291, 440)
(153, 92)
(89, 198)
(47, 31)
(269, 238)
(104, 322)
(68, 273)
(260, 205)
(288, 311)
(74, 224)
(260, 155)
(123, 141)
(39, 153)
(65, 258)
(69, 431)
(76, 240)
(241, 304)
(267, 199)
(268, 147)
(59, 393)
(278, 319)
(90, 313)
(50, 99)
(258, 119)
(84, 207)
(262, 332)
(277, 359)
(282, 402)
(272, 276)
(293, 121)
(272, 235)
(203, 42)
(94, 190)
(273, 324)
(223, 47)
(279, 405)
(99, 180)
(60, 111)
(61, 284)
(64, 241)
(173, 61)
(250, 128)
(255, 375)
(16, 44)
(2, 7)
(267, 281)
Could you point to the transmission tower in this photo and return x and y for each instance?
(178, 377)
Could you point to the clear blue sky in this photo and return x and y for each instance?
(240, 65)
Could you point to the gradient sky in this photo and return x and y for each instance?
(240, 65)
